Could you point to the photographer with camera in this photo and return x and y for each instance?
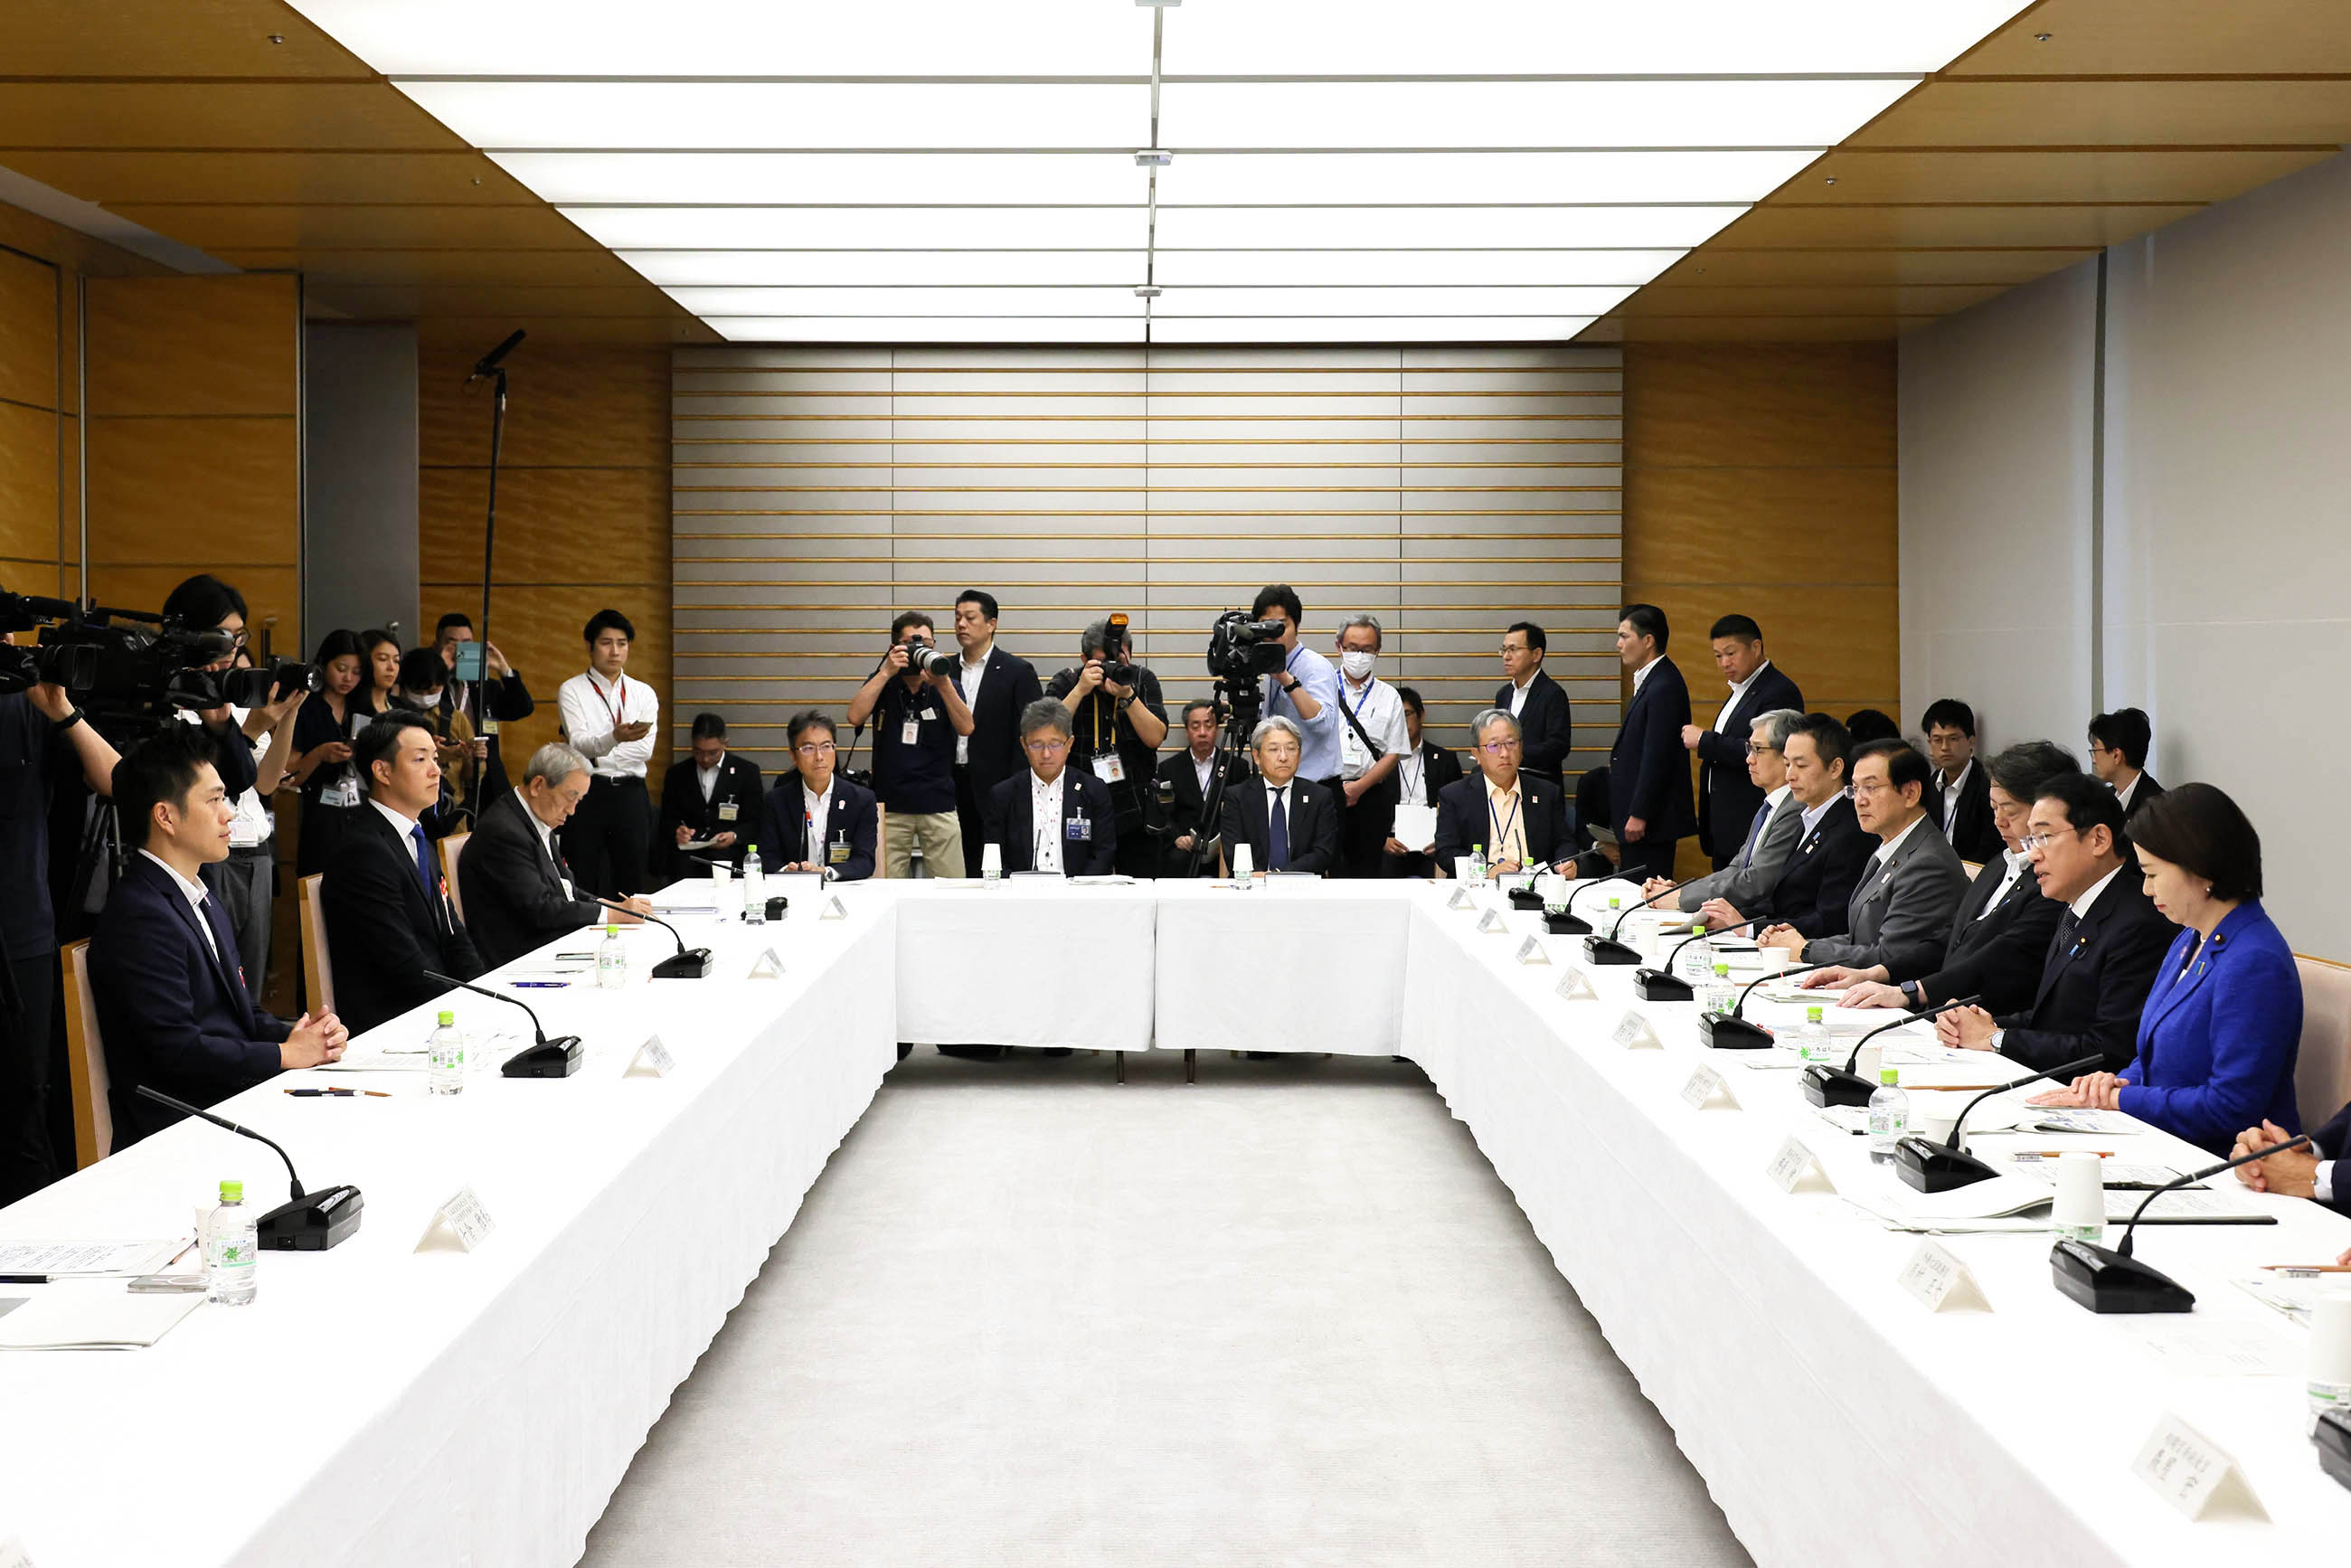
(1305, 690)
(917, 712)
(1117, 721)
(496, 696)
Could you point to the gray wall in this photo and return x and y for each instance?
(360, 449)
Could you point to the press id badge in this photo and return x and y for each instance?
(343, 792)
(1080, 829)
(911, 732)
(1351, 748)
(728, 811)
(1109, 768)
(837, 852)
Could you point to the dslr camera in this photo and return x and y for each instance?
(132, 671)
(928, 660)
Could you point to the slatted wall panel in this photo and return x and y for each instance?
(1447, 490)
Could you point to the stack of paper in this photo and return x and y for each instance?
(89, 1317)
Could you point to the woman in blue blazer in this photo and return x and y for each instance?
(2218, 1036)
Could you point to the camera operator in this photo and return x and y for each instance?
(1305, 691)
(917, 714)
(1118, 722)
(36, 727)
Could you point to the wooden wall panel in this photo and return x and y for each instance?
(182, 345)
(209, 494)
(584, 510)
(28, 331)
(1760, 479)
(28, 490)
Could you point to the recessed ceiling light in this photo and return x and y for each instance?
(277, 38)
(2041, 38)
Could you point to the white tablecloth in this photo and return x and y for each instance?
(1026, 962)
(1292, 964)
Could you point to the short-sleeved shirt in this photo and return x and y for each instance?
(1318, 754)
(1098, 729)
(27, 741)
(917, 779)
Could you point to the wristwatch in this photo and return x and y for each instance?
(1290, 683)
(1914, 994)
(61, 725)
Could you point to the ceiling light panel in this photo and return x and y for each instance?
(1387, 228)
(1626, 268)
(671, 114)
(1385, 301)
(880, 179)
(1370, 330)
(770, 268)
(1521, 113)
(861, 228)
(1212, 179)
(920, 330)
(738, 38)
(909, 301)
(1546, 37)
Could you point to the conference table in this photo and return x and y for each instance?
(397, 1403)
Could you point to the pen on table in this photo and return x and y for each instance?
(538, 985)
(2052, 1153)
(335, 1094)
(2308, 1268)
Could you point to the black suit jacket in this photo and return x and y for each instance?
(2094, 986)
(1648, 770)
(1727, 798)
(1972, 833)
(1009, 684)
(737, 785)
(783, 828)
(1083, 796)
(1546, 726)
(1313, 834)
(1815, 887)
(1185, 811)
(2329, 1142)
(2147, 790)
(514, 894)
(382, 932)
(1997, 957)
(175, 1017)
(1439, 766)
(1463, 819)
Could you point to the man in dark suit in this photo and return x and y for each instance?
(388, 914)
(2103, 960)
(1648, 774)
(1520, 820)
(519, 891)
(498, 698)
(2118, 744)
(172, 1003)
(998, 687)
(813, 801)
(1186, 779)
(1961, 794)
(2000, 932)
(1899, 916)
(1727, 797)
(1288, 823)
(1421, 776)
(1813, 893)
(1546, 718)
(1051, 817)
(711, 797)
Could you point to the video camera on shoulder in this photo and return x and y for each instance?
(130, 671)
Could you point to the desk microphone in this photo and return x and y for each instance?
(308, 1222)
(2109, 1280)
(1567, 923)
(1826, 1085)
(556, 1057)
(1607, 949)
(488, 363)
(1730, 1031)
(1661, 983)
(685, 963)
(1931, 1166)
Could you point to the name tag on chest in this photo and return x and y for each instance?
(727, 810)
(1080, 829)
(1109, 768)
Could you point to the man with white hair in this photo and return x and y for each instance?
(1373, 741)
(512, 881)
(1288, 823)
(1518, 819)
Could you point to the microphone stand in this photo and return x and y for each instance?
(1566, 923)
(1730, 1031)
(491, 365)
(2109, 1280)
(1931, 1166)
(1826, 1085)
(685, 963)
(1607, 949)
(307, 1222)
(556, 1057)
(1661, 983)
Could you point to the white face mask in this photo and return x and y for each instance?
(1357, 664)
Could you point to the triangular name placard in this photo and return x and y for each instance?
(835, 909)
(652, 1059)
(1575, 986)
(767, 967)
(1460, 900)
(1531, 951)
(1491, 922)
(460, 1225)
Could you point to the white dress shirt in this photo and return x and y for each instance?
(708, 777)
(2016, 860)
(2123, 796)
(1412, 775)
(1642, 673)
(1812, 815)
(967, 679)
(1202, 768)
(194, 892)
(1381, 713)
(547, 847)
(1045, 821)
(1518, 690)
(1951, 795)
(592, 709)
(1738, 690)
(2081, 906)
(816, 821)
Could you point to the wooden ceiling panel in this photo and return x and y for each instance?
(1886, 268)
(425, 268)
(1962, 113)
(112, 179)
(1808, 225)
(1771, 300)
(2138, 176)
(1749, 329)
(224, 226)
(484, 330)
(2168, 37)
(167, 38)
(434, 300)
(316, 115)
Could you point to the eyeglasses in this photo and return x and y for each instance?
(1508, 650)
(2032, 842)
(813, 748)
(1874, 787)
(1499, 746)
(1046, 748)
(1755, 750)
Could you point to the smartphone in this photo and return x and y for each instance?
(469, 661)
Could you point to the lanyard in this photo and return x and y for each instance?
(1501, 829)
(619, 713)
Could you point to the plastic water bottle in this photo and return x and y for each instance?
(612, 961)
(754, 891)
(1889, 1116)
(1697, 956)
(1477, 865)
(232, 1248)
(1722, 995)
(1813, 1039)
(447, 1060)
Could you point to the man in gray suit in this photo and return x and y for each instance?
(1900, 914)
(1771, 837)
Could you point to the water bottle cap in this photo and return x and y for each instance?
(1887, 1075)
(611, 931)
(1812, 1015)
(1722, 971)
(448, 1019)
(1697, 927)
(232, 1192)
(1615, 903)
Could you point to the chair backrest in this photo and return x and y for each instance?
(452, 847)
(93, 1116)
(318, 968)
(881, 840)
(2322, 1072)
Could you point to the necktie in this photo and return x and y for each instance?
(424, 860)
(1755, 832)
(1277, 852)
(2067, 928)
